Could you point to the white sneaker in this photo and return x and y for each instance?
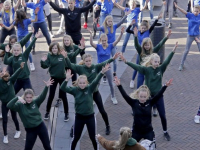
(32, 67)
(51, 34)
(1, 116)
(132, 84)
(113, 99)
(90, 15)
(5, 139)
(60, 31)
(197, 119)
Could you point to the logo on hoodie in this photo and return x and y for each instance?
(93, 70)
(33, 107)
(159, 73)
(8, 83)
(60, 59)
(85, 93)
(20, 58)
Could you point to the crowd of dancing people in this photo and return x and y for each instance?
(62, 67)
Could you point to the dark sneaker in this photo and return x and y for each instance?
(170, 25)
(167, 137)
(72, 131)
(107, 130)
(46, 116)
(33, 51)
(114, 74)
(155, 112)
(104, 79)
(58, 102)
(66, 117)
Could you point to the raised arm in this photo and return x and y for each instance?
(25, 39)
(36, 15)
(118, 6)
(56, 8)
(7, 60)
(91, 39)
(182, 10)
(137, 45)
(23, 3)
(128, 30)
(43, 95)
(13, 78)
(72, 66)
(44, 62)
(86, 8)
(17, 5)
(95, 26)
(122, 91)
(13, 105)
(121, 21)
(119, 37)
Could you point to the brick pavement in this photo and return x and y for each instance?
(181, 99)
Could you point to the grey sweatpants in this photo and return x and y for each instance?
(168, 7)
(109, 77)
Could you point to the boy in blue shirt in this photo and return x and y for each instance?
(193, 30)
(41, 19)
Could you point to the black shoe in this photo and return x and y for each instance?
(167, 137)
(170, 25)
(155, 112)
(33, 51)
(114, 74)
(104, 79)
(107, 130)
(94, 35)
(72, 132)
(58, 102)
(46, 116)
(66, 117)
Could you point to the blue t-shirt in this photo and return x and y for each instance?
(133, 15)
(193, 24)
(106, 6)
(111, 36)
(6, 17)
(103, 54)
(23, 31)
(143, 35)
(77, 3)
(64, 1)
(196, 2)
(33, 6)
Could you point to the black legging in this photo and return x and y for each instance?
(62, 95)
(137, 135)
(79, 124)
(49, 20)
(161, 110)
(31, 136)
(98, 100)
(5, 110)
(76, 40)
(5, 33)
(86, 13)
(22, 83)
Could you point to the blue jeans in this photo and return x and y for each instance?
(135, 71)
(43, 27)
(150, 6)
(190, 39)
(127, 38)
(140, 80)
(22, 83)
(26, 45)
(114, 62)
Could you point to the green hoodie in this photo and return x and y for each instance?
(90, 72)
(71, 49)
(146, 55)
(131, 142)
(83, 97)
(29, 113)
(57, 64)
(153, 77)
(7, 91)
(15, 61)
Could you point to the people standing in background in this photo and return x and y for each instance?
(150, 7)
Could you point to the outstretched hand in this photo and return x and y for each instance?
(49, 82)
(122, 30)
(90, 30)
(21, 100)
(122, 58)
(175, 4)
(68, 75)
(169, 33)
(82, 43)
(105, 68)
(133, 22)
(44, 58)
(22, 65)
(37, 10)
(64, 53)
(116, 55)
(98, 135)
(7, 48)
(168, 83)
(116, 81)
(174, 49)
(135, 30)
(37, 35)
(197, 39)
(160, 15)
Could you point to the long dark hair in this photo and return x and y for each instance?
(20, 16)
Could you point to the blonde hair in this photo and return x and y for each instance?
(145, 23)
(152, 57)
(145, 41)
(70, 38)
(102, 36)
(197, 6)
(75, 83)
(27, 91)
(81, 62)
(105, 25)
(125, 134)
(14, 46)
(131, 2)
(10, 14)
(142, 88)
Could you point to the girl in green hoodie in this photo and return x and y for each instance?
(27, 107)
(83, 94)
(55, 62)
(153, 72)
